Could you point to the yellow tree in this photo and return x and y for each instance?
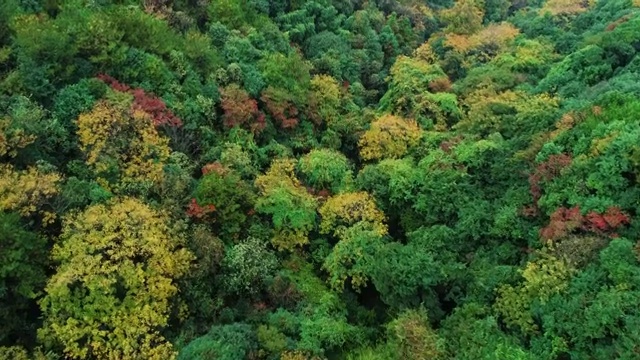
(464, 18)
(123, 146)
(494, 36)
(28, 191)
(486, 110)
(324, 100)
(347, 209)
(390, 136)
(12, 139)
(110, 295)
(413, 338)
(564, 7)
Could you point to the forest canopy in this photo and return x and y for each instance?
(323, 179)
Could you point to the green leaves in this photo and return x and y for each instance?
(23, 261)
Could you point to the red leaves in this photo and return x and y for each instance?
(155, 107)
(197, 211)
(547, 171)
(239, 109)
(280, 108)
(115, 85)
(150, 104)
(564, 221)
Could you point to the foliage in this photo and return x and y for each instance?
(413, 337)
(415, 92)
(222, 197)
(23, 263)
(225, 342)
(123, 147)
(353, 257)
(240, 109)
(105, 256)
(292, 208)
(389, 136)
(344, 210)
(388, 179)
(248, 265)
(28, 191)
(543, 278)
(325, 169)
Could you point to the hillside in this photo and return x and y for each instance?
(326, 179)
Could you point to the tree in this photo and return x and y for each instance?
(227, 195)
(564, 7)
(240, 109)
(123, 147)
(28, 192)
(416, 92)
(23, 261)
(291, 207)
(414, 338)
(464, 18)
(110, 295)
(389, 137)
(224, 342)
(248, 266)
(353, 257)
(544, 278)
(288, 74)
(325, 169)
(341, 211)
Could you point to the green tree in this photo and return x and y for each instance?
(325, 169)
(291, 207)
(23, 262)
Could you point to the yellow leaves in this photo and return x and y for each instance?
(96, 128)
(564, 7)
(344, 210)
(288, 239)
(425, 53)
(543, 278)
(482, 104)
(498, 34)
(414, 337)
(460, 43)
(27, 191)
(389, 137)
(600, 145)
(115, 139)
(465, 17)
(13, 139)
(13, 353)
(494, 35)
(117, 268)
(281, 172)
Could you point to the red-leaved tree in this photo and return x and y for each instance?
(240, 109)
(546, 171)
(143, 101)
(566, 221)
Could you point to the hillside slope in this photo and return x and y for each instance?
(328, 179)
